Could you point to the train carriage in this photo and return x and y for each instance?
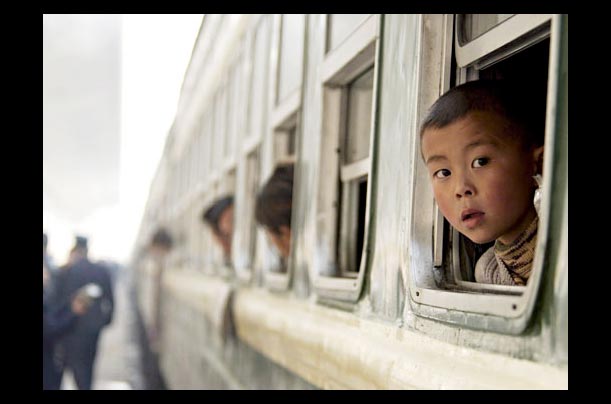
(378, 291)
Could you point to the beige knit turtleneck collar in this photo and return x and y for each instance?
(518, 256)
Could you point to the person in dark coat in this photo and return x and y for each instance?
(56, 321)
(79, 346)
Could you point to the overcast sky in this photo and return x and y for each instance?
(110, 91)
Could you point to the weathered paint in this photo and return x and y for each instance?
(335, 349)
(200, 350)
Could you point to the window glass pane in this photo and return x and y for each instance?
(360, 96)
(209, 122)
(222, 120)
(291, 54)
(284, 143)
(352, 227)
(340, 26)
(216, 133)
(234, 100)
(474, 25)
(291, 140)
(258, 79)
(252, 184)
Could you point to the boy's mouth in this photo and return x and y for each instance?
(471, 217)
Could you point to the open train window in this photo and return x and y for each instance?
(258, 78)
(225, 185)
(233, 111)
(246, 251)
(277, 273)
(246, 235)
(348, 79)
(289, 41)
(515, 47)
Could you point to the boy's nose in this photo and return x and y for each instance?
(466, 192)
(464, 188)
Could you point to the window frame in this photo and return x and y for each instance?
(498, 308)
(284, 117)
(359, 52)
(250, 142)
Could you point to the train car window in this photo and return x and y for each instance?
(474, 25)
(254, 107)
(193, 228)
(495, 41)
(523, 54)
(340, 26)
(224, 108)
(276, 267)
(208, 124)
(207, 242)
(228, 187)
(354, 171)
(258, 84)
(349, 82)
(284, 142)
(292, 31)
(223, 185)
(199, 154)
(183, 179)
(193, 163)
(246, 232)
(234, 115)
(289, 37)
(359, 94)
(217, 135)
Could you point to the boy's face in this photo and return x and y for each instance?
(481, 176)
(225, 225)
(282, 240)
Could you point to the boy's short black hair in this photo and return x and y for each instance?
(162, 238)
(213, 213)
(273, 206)
(508, 98)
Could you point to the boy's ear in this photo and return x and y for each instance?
(538, 160)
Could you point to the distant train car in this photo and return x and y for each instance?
(378, 292)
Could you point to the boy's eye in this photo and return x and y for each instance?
(480, 162)
(443, 173)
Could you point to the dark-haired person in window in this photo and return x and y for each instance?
(482, 143)
(273, 208)
(160, 246)
(219, 216)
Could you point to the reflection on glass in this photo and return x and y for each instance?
(474, 25)
(291, 54)
(259, 76)
(360, 97)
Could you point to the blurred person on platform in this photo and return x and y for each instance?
(57, 320)
(78, 347)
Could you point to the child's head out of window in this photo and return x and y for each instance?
(482, 143)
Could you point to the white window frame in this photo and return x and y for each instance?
(284, 117)
(499, 308)
(249, 143)
(244, 261)
(358, 53)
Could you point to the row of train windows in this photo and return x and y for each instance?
(508, 46)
